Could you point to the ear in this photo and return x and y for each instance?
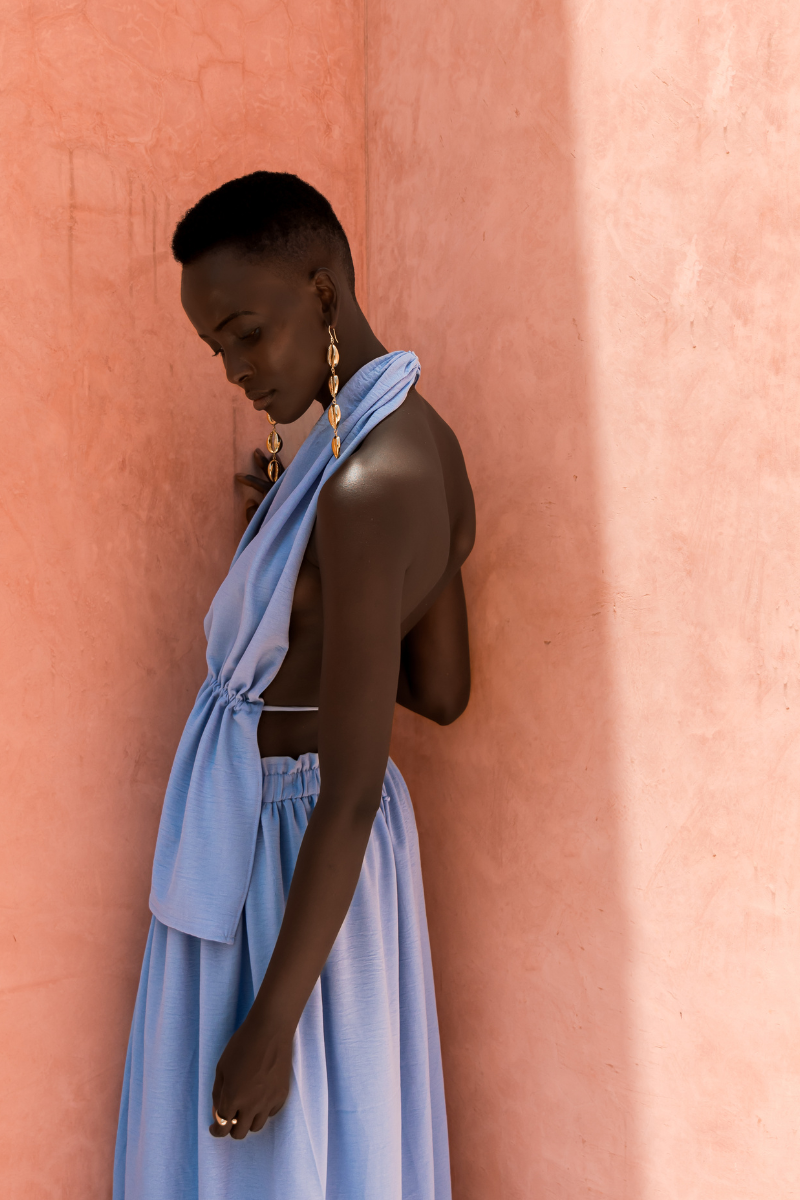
(327, 290)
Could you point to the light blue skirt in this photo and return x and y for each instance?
(365, 1118)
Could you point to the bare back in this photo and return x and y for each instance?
(415, 456)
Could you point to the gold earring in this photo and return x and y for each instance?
(274, 444)
(334, 412)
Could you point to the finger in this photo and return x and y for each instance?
(220, 1107)
(244, 1120)
(261, 485)
(259, 1121)
(217, 1130)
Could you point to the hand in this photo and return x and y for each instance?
(252, 1080)
(256, 481)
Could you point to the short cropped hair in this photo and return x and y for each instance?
(265, 214)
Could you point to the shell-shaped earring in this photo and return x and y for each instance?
(274, 444)
(334, 412)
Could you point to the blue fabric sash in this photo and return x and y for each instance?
(207, 836)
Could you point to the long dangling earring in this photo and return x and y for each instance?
(274, 444)
(334, 412)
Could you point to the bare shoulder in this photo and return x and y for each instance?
(398, 456)
(446, 441)
(460, 500)
(451, 457)
(412, 446)
(408, 471)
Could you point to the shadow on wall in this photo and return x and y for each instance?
(474, 260)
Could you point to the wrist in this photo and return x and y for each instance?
(276, 1011)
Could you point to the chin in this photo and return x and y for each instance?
(284, 414)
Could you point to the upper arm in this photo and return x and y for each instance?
(364, 547)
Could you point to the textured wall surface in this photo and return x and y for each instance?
(583, 217)
(585, 220)
(475, 260)
(118, 510)
(688, 203)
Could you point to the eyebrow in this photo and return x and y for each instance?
(243, 312)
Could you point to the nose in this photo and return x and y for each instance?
(238, 371)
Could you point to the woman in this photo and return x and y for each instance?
(286, 993)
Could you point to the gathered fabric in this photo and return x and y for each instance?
(365, 1116)
(207, 836)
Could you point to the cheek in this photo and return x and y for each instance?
(302, 364)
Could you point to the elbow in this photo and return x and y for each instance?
(445, 716)
(448, 709)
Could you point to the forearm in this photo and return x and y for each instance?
(352, 767)
(324, 881)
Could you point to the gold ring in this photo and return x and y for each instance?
(222, 1120)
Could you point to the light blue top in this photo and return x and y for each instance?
(207, 836)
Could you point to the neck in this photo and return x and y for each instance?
(358, 345)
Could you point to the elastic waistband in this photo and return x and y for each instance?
(290, 778)
(294, 778)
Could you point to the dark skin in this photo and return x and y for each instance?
(378, 616)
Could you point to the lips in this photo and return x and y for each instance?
(261, 399)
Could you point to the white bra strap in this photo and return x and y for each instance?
(290, 708)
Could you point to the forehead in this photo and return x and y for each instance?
(222, 282)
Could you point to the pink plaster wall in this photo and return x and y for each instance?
(118, 510)
(582, 216)
(687, 167)
(476, 261)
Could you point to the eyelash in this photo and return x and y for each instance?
(254, 333)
